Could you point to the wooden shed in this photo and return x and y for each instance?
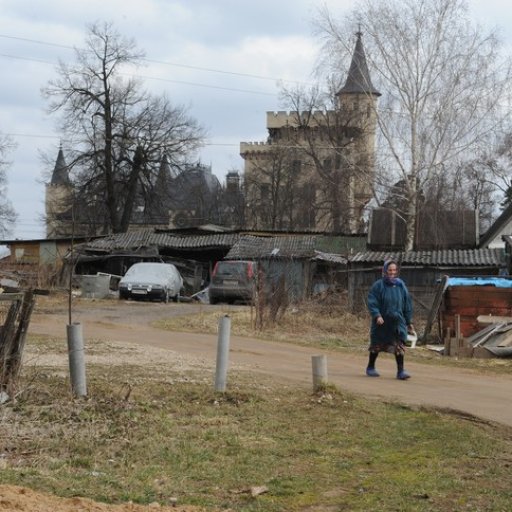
(471, 297)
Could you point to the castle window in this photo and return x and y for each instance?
(264, 192)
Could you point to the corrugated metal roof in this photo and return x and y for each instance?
(332, 258)
(250, 247)
(146, 238)
(455, 257)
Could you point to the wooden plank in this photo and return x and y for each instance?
(477, 335)
(434, 310)
(458, 334)
(466, 351)
(493, 319)
(476, 311)
(482, 353)
(483, 339)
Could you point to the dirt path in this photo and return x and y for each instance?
(471, 393)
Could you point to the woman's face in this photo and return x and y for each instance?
(392, 270)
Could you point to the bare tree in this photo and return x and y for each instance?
(444, 86)
(7, 213)
(119, 130)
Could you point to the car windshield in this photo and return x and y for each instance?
(148, 271)
(232, 269)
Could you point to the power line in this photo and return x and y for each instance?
(166, 63)
(195, 84)
(40, 136)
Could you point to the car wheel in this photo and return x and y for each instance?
(214, 300)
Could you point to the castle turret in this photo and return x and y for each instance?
(358, 97)
(60, 175)
(358, 79)
(58, 200)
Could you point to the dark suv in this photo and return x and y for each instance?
(232, 281)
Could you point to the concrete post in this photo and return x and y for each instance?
(221, 370)
(76, 359)
(319, 364)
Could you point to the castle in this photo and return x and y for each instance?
(314, 172)
(316, 169)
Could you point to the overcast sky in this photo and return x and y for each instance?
(223, 59)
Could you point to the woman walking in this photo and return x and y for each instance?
(390, 307)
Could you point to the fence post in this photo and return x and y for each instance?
(76, 359)
(319, 364)
(221, 369)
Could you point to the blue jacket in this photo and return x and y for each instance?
(393, 303)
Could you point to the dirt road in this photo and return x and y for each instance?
(484, 396)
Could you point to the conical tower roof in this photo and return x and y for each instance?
(165, 175)
(358, 80)
(60, 174)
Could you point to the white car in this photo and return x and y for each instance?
(160, 281)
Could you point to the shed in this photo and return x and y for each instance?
(305, 268)
(420, 270)
(192, 254)
(470, 297)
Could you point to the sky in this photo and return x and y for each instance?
(224, 60)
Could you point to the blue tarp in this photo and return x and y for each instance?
(499, 282)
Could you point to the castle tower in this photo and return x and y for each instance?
(159, 202)
(316, 169)
(232, 182)
(58, 197)
(357, 102)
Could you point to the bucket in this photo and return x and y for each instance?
(412, 338)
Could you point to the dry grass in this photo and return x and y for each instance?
(309, 323)
(152, 429)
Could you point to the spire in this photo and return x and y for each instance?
(358, 79)
(165, 174)
(60, 174)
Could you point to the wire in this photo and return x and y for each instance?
(39, 136)
(195, 84)
(166, 63)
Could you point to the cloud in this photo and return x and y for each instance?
(264, 38)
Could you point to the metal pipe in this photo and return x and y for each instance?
(76, 359)
(319, 365)
(222, 353)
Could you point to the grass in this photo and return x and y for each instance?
(155, 431)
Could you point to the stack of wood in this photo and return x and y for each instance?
(492, 340)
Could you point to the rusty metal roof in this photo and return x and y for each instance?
(146, 238)
(455, 257)
(251, 247)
